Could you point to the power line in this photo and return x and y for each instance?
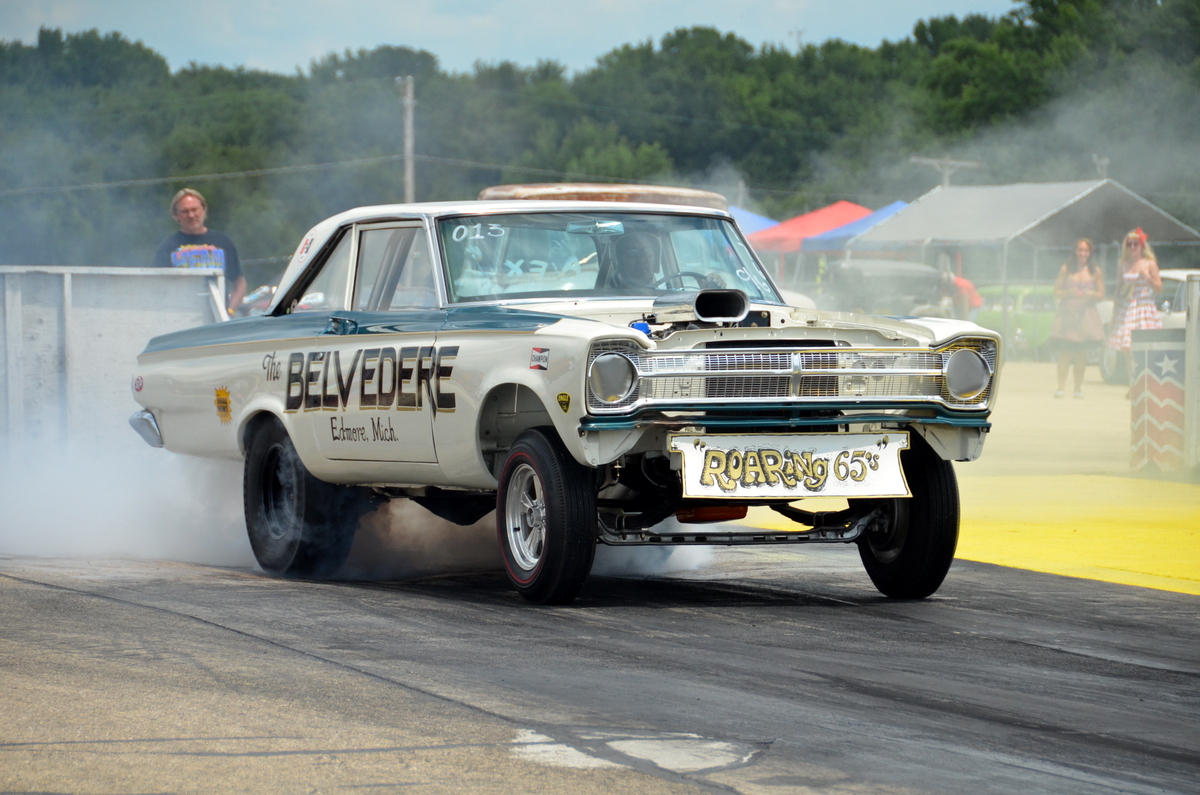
(259, 172)
(265, 260)
(635, 112)
(363, 161)
(173, 103)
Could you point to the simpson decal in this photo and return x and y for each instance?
(539, 359)
(564, 402)
(138, 383)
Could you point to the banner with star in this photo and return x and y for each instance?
(1156, 399)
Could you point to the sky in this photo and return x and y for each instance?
(283, 35)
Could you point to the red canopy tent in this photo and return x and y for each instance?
(789, 235)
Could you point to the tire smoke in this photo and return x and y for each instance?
(114, 500)
(401, 539)
(118, 499)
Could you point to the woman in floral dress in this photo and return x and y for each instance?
(1077, 327)
(1137, 287)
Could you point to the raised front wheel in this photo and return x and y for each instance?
(546, 519)
(909, 553)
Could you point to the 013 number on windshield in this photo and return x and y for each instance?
(475, 232)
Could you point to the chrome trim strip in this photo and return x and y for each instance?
(807, 371)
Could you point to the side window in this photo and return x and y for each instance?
(416, 288)
(327, 291)
(375, 248)
(394, 270)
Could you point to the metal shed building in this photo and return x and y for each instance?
(1035, 216)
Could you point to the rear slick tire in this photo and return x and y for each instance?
(909, 556)
(546, 519)
(299, 526)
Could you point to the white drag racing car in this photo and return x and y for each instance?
(587, 370)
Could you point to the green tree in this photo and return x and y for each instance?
(1033, 93)
(978, 83)
(80, 59)
(590, 151)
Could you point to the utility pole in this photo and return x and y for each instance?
(407, 101)
(945, 166)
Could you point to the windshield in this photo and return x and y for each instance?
(595, 254)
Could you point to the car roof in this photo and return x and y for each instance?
(510, 206)
(595, 191)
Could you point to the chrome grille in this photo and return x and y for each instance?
(732, 387)
(800, 376)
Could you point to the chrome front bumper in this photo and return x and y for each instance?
(147, 427)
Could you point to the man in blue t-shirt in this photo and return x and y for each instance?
(197, 246)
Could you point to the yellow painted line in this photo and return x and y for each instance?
(1129, 531)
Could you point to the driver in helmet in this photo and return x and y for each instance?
(637, 260)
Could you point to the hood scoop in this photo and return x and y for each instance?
(705, 306)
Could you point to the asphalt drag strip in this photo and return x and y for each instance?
(744, 670)
(768, 670)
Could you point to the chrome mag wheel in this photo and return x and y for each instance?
(525, 517)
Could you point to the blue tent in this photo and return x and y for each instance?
(751, 222)
(837, 239)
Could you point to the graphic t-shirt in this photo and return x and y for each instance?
(210, 250)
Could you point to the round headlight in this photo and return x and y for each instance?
(967, 374)
(612, 377)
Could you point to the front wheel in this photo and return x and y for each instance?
(546, 519)
(908, 553)
(299, 526)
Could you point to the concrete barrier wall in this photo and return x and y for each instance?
(69, 340)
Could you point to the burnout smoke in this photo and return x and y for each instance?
(644, 561)
(402, 539)
(120, 499)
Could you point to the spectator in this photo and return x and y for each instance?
(1138, 284)
(1077, 327)
(966, 298)
(197, 246)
